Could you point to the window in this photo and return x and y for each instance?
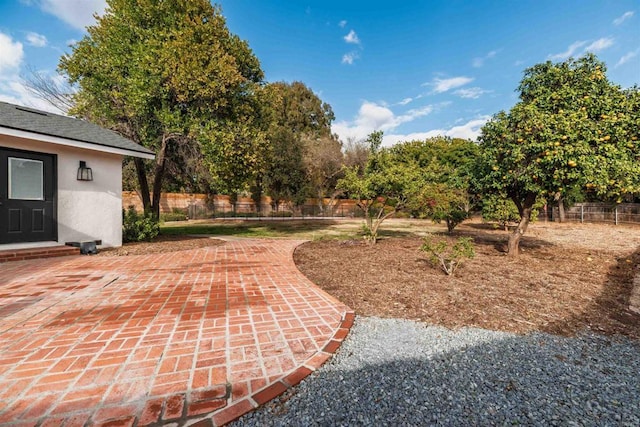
(26, 179)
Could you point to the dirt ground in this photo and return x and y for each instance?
(568, 278)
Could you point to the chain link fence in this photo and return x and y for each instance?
(625, 213)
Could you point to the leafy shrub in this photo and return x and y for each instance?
(500, 210)
(441, 202)
(138, 227)
(173, 216)
(503, 211)
(403, 215)
(449, 256)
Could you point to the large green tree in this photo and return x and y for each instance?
(168, 74)
(298, 134)
(323, 162)
(572, 129)
(284, 172)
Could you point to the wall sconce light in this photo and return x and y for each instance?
(84, 173)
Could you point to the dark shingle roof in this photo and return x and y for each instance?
(44, 123)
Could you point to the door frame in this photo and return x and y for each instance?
(54, 183)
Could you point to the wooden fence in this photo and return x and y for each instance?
(197, 206)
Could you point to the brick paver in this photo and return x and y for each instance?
(164, 338)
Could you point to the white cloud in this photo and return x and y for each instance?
(375, 116)
(469, 130)
(479, 62)
(600, 44)
(352, 38)
(570, 50)
(626, 58)
(349, 58)
(35, 39)
(471, 93)
(444, 85)
(595, 46)
(623, 18)
(11, 53)
(12, 90)
(405, 101)
(413, 114)
(342, 24)
(77, 13)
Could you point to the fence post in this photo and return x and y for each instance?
(616, 214)
(581, 214)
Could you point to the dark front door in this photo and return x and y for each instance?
(27, 196)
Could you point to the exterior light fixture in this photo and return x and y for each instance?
(84, 173)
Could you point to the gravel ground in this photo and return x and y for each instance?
(399, 372)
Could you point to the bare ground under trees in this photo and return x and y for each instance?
(568, 278)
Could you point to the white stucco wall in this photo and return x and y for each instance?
(86, 210)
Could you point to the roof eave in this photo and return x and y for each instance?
(74, 143)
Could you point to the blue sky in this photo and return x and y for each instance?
(411, 68)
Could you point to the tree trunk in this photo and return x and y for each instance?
(320, 201)
(561, 213)
(158, 176)
(450, 225)
(256, 194)
(525, 209)
(377, 221)
(143, 184)
(233, 199)
(514, 239)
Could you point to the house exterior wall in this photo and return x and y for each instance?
(86, 210)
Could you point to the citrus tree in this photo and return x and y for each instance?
(572, 128)
(442, 191)
(382, 188)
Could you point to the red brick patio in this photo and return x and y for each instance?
(159, 339)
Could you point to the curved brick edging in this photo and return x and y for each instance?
(242, 407)
(211, 408)
(185, 338)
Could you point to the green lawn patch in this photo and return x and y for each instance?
(293, 229)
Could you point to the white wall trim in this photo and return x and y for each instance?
(72, 143)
